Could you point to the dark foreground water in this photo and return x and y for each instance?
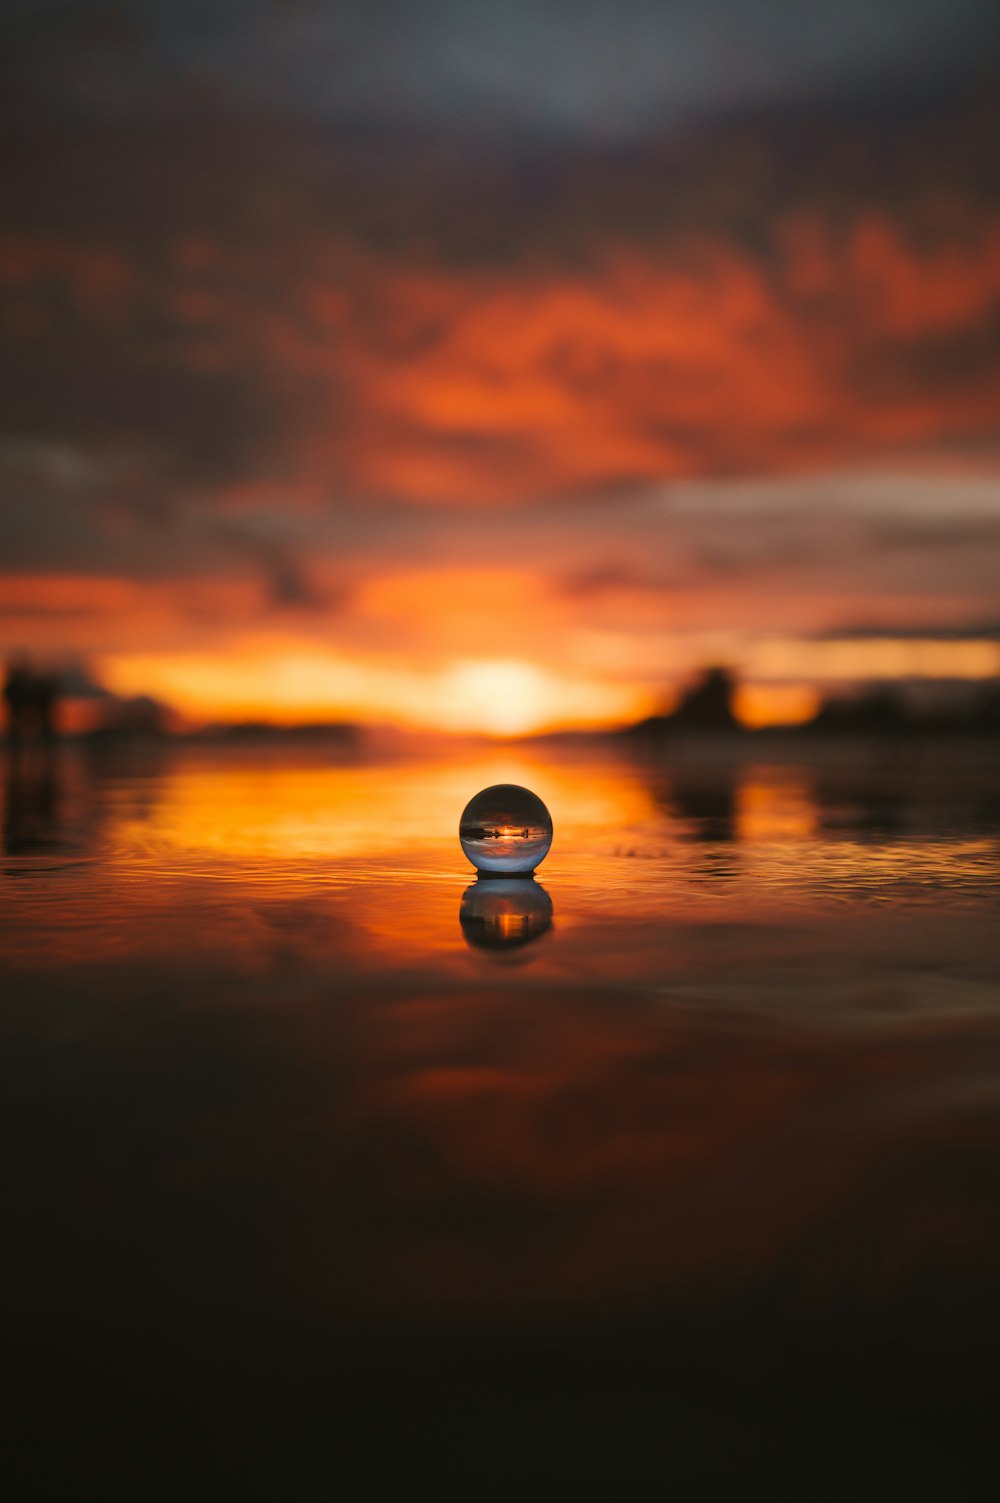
(680, 1170)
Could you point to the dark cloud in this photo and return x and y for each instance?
(549, 67)
(219, 297)
(610, 579)
(287, 579)
(976, 628)
(955, 362)
(938, 534)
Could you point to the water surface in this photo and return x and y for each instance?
(688, 1152)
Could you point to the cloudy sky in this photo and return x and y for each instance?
(495, 366)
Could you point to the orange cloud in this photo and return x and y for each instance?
(421, 378)
(680, 358)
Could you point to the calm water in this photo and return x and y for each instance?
(321, 1154)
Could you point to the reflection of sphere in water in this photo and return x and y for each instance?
(506, 829)
(501, 913)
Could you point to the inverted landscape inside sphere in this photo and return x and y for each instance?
(506, 828)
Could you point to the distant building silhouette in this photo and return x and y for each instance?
(706, 706)
(136, 718)
(31, 698)
(886, 710)
(880, 711)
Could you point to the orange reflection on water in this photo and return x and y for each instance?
(775, 805)
(358, 863)
(401, 810)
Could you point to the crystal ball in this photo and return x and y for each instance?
(506, 830)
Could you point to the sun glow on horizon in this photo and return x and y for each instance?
(501, 697)
(282, 684)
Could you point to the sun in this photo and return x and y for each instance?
(503, 698)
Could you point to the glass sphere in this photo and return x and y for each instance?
(504, 913)
(506, 830)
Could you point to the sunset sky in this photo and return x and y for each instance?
(493, 367)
